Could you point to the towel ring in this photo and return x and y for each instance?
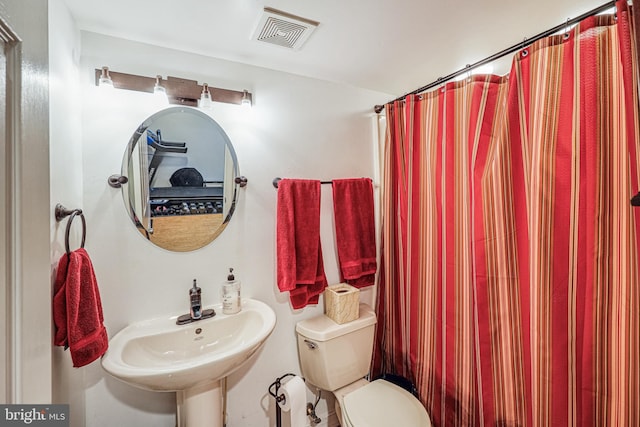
(84, 230)
(61, 212)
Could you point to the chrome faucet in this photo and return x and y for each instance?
(195, 307)
(196, 302)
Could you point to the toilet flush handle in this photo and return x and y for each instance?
(311, 344)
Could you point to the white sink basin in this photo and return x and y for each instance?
(159, 355)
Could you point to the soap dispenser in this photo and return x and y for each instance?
(231, 294)
(195, 301)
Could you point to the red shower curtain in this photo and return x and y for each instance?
(508, 288)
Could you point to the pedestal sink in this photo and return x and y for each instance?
(190, 359)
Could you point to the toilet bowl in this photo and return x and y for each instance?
(337, 358)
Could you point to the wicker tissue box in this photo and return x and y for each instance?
(342, 303)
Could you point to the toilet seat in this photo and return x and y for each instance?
(383, 404)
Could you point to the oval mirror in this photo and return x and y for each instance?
(182, 172)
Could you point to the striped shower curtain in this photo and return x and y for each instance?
(508, 287)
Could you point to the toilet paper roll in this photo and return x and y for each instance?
(294, 402)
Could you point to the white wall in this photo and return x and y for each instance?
(298, 127)
(65, 162)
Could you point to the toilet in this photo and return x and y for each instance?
(336, 358)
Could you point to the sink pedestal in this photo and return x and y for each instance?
(200, 406)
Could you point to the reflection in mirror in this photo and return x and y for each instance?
(182, 170)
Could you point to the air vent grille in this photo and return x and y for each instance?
(283, 29)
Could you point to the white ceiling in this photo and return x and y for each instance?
(391, 46)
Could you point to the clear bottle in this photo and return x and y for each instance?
(231, 303)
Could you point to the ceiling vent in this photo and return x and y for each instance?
(283, 29)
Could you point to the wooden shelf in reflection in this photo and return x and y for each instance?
(185, 233)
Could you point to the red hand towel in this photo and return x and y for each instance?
(77, 310)
(300, 269)
(355, 230)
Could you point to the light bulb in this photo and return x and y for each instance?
(105, 79)
(157, 88)
(160, 93)
(205, 97)
(246, 101)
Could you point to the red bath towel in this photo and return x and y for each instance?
(355, 230)
(77, 310)
(300, 269)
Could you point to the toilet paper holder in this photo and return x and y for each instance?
(281, 398)
(276, 384)
(273, 391)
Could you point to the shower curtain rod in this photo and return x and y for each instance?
(505, 52)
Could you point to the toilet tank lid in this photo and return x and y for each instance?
(322, 328)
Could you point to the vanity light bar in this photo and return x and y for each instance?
(179, 91)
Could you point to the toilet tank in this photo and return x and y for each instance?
(333, 355)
